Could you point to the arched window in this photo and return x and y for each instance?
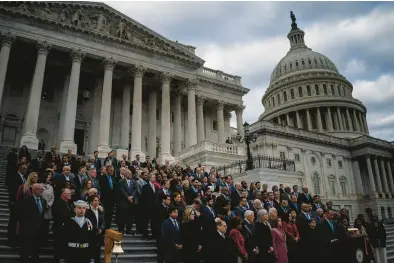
(332, 185)
(273, 101)
(343, 182)
(325, 89)
(332, 90)
(285, 96)
(316, 183)
(292, 94)
(308, 90)
(300, 92)
(317, 91)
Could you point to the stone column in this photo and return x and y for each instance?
(288, 120)
(384, 176)
(7, 40)
(191, 112)
(377, 174)
(165, 118)
(340, 122)
(390, 175)
(365, 124)
(71, 103)
(336, 122)
(308, 119)
(361, 122)
(200, 118)
(329, 120)
(279, 122)
(220, 117)
(370, 175)
(299, 121)
(229, 116)
(29, 137)
(152, 123)
(136, 118)
(239, 109)
(357, 176)
(178, 123)
(349, 120)
(318, 120)
(125, 123)
(356, 124)
(105, 113)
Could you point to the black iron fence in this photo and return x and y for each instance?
(260, 161)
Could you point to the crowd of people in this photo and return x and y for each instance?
(194, 214)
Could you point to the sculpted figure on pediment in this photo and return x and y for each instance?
(121, 30)
(77, 18)
(101, 21)
(23, 8)
(64, 15)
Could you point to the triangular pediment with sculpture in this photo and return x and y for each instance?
(101, 20)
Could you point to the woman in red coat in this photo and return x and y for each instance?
(235, 226)
(292, 235)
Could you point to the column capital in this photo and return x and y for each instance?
(138, 71)
(191, 84)
(109, 63)
(43, 47)
(200, 99)
(239, 109)
(166, 77)
(220, 104)
(7, 39)
(77, 55)
(229, 115)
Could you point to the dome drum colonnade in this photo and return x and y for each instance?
(307, 91)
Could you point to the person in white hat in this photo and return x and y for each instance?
(79, 234)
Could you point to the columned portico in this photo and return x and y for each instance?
(349, 120)
(340, 121)
(125, 123)
(6, 42)
(152, 123)
(299, 122)
(318, 120)
(191, 112)
(357, 176)
(29, 137)
(308, 120)
(329, 120)
(165, 118)
(220, 117)
(136, 124)
(200, 118)
(384, 176)
(71, 103)
(390, 175)
(178, 122)
(105, 114)
(377, 174)
(239, 109)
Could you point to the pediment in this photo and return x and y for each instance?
(99, 20)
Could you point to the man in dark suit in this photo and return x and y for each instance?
(327, 236)
(236, 195)
(162, 214)
(61, 180)
(192, 192)
(136, 163)
(38, 164)
(96, 217)
(286, 195)
(294, 205)
(108, 194)
(61, 212)
(125, 204)
(149, 205)
(241, 208)
(31, 224)
(97, 161)
(78, 180)
(51, 156)
(317, 203)
(248, 233)
(305, 197)
(147, 164)
(171, 237)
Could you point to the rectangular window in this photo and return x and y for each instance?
(214, 125)
(329, 162)
(297, 157)
(282, 155)
(332, 187)
(340, 164)
(343, 186)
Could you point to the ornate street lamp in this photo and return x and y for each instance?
(248, 138)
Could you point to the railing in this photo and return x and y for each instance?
(219, 75)
(260, 161)
(211, 147)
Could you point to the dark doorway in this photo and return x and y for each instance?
(79, 139)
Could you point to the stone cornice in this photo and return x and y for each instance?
(223, 84)
(99, 23)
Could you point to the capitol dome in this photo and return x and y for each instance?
(306, 91)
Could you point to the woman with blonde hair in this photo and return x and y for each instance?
(87, 185)
(24, 190)
(192, 236)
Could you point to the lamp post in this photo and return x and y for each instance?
(248, 138)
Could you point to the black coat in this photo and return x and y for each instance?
(326, 240)
(170, 236)
(263, 240)
(377, 235)
(149, 199)
(192, 238)
(60, 183)
(62, 212)
(217, 249)
(124, 192)
(305, 198)
(75, 234)
(98, 239)
(107, 194)
(30, 219)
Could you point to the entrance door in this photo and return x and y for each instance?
(79, 139)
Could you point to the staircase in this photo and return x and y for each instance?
(136, 248)
(390, 243)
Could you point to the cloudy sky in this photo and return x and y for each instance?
(249, 38)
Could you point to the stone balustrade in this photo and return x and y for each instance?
(208, 146)
(219, 75)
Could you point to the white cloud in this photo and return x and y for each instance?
(354, 67)
(379, 90)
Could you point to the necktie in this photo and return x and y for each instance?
(38, 201)
(110, 182)
(153, 187)
(128, 184)
(210, 210)
(308, 217)
(175, 224)
(331, 225)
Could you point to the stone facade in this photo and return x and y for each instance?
(86, 77)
